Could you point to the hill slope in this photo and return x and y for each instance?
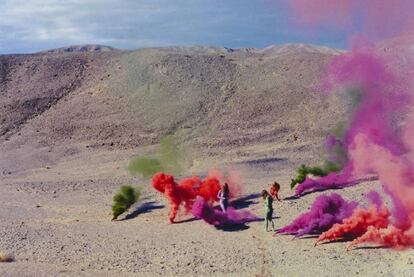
(213, 99)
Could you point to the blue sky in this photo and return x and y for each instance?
(34, 25)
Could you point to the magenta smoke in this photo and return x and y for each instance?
(325, 212)
(201, 209)
(383, 98)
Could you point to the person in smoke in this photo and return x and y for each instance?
(274, 190)
(268, 199)
(223, 196)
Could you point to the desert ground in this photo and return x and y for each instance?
(71, 119)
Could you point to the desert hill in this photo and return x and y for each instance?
(211, 98)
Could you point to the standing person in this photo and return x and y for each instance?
(274, 190)
(223, 196)
(268, 199)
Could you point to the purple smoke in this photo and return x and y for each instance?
(325, 212)
(374, 198)
(333, 180)
(201, 209)
(382, 98)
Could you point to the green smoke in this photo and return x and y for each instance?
(169, 158)
(124, 199)
(304, 171)
(337, 157)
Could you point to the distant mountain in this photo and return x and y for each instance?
(82, 48)
(300, 48)
(289, 48)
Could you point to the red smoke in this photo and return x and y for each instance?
(357, 224)
(391, 236)
(233, 179)
(176, 194)
(189, 188)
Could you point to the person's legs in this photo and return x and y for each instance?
(223, 205)
(271, 220)
(268, 218)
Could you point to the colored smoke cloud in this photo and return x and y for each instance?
(169, 158)
(376, 19)
(201, 209)
(378, 140)
(357, 225)
(396, 173)
(390, 237)
(385, 96)
(325, 211)
(185, 192)
(379, 136)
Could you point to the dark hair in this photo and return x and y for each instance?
(226, 188)
(276, 185)
(264, 194)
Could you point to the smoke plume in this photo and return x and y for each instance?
(324, 212)
(185, 192)
(169, 158)
(379, 136)
(357, 225)
(201, 209)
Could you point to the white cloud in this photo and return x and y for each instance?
(59, 22)
(33, 25)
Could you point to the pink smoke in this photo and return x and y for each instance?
(379, 139)
(325, 212)
(380, 136)
(396, 173)
(384, 94)
(201, 209)
(376, 19)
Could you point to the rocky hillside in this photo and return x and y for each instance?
(215, 99)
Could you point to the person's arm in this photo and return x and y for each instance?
(219, 195)
(277, 196)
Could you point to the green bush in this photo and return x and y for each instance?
(124, 199)
(303, 172)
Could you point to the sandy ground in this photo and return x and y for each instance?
(56, 221)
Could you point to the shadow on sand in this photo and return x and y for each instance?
(245, 201)
(315, 236)
(264, 161)
(232, 227)
(186, 220)
(370, 247)
(145, 207)
(242, 203)
(335, 241)
(294, 197)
